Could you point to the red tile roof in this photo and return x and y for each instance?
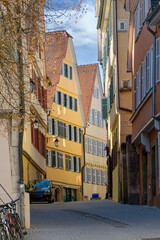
(55, 49)
(87, 75)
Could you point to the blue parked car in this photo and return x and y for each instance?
(41, 190)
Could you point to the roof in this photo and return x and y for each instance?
(87, 75)
(55, 50)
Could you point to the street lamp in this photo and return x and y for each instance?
(36, 124)
(31, 85)
(56, 141)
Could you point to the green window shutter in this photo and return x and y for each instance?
(104, 105)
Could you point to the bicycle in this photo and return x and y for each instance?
(10, 224)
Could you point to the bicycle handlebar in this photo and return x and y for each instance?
(9, 204)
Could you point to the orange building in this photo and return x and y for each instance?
(143, 61)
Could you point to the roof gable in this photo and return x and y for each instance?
(87, 75)
(55, 51)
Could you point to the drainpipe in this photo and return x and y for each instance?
(84, 161)
(153, 72)
(153, 95)
(116, 28)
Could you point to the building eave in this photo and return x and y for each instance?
(154, 17)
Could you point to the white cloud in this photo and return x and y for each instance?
(84, 32)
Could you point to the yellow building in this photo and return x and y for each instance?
(113, 38)
(95, 167)
(65, 118)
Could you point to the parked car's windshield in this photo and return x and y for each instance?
(38, 184)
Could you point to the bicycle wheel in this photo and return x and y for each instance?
(3, 235)
(18, 226)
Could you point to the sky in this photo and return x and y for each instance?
(84, 34)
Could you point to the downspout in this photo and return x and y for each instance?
(153, 72)
(116, 37)
(84, 134)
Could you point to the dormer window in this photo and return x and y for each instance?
(66, 71)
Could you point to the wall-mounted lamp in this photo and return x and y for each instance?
(36, 124)
(56, 141)
(31, 85)
(49, 112)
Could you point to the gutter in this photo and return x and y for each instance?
(82, 174)
(119, 105)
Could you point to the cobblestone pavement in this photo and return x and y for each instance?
(99, 219)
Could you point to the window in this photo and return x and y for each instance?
(98, 176)
(144, 83)
(89, 145)
(96, 92)
(89, 175)
(53, 159)
(86, 144)
(49, 158)
(104, 105)
(125, 83)
(134, 93)
(74, 164)
(70, 102)
(49, 125)
(70, 132)
(67, 161)
(75, 134)
(70, 163)
(122, 25)
(75, 104)
(65, 100)
(94, 178)
(60, 160)
(141, 14)
(64, 131)
(158, 60)
(59, 97)
(65, 70)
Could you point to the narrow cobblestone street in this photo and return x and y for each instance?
(102, 219)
